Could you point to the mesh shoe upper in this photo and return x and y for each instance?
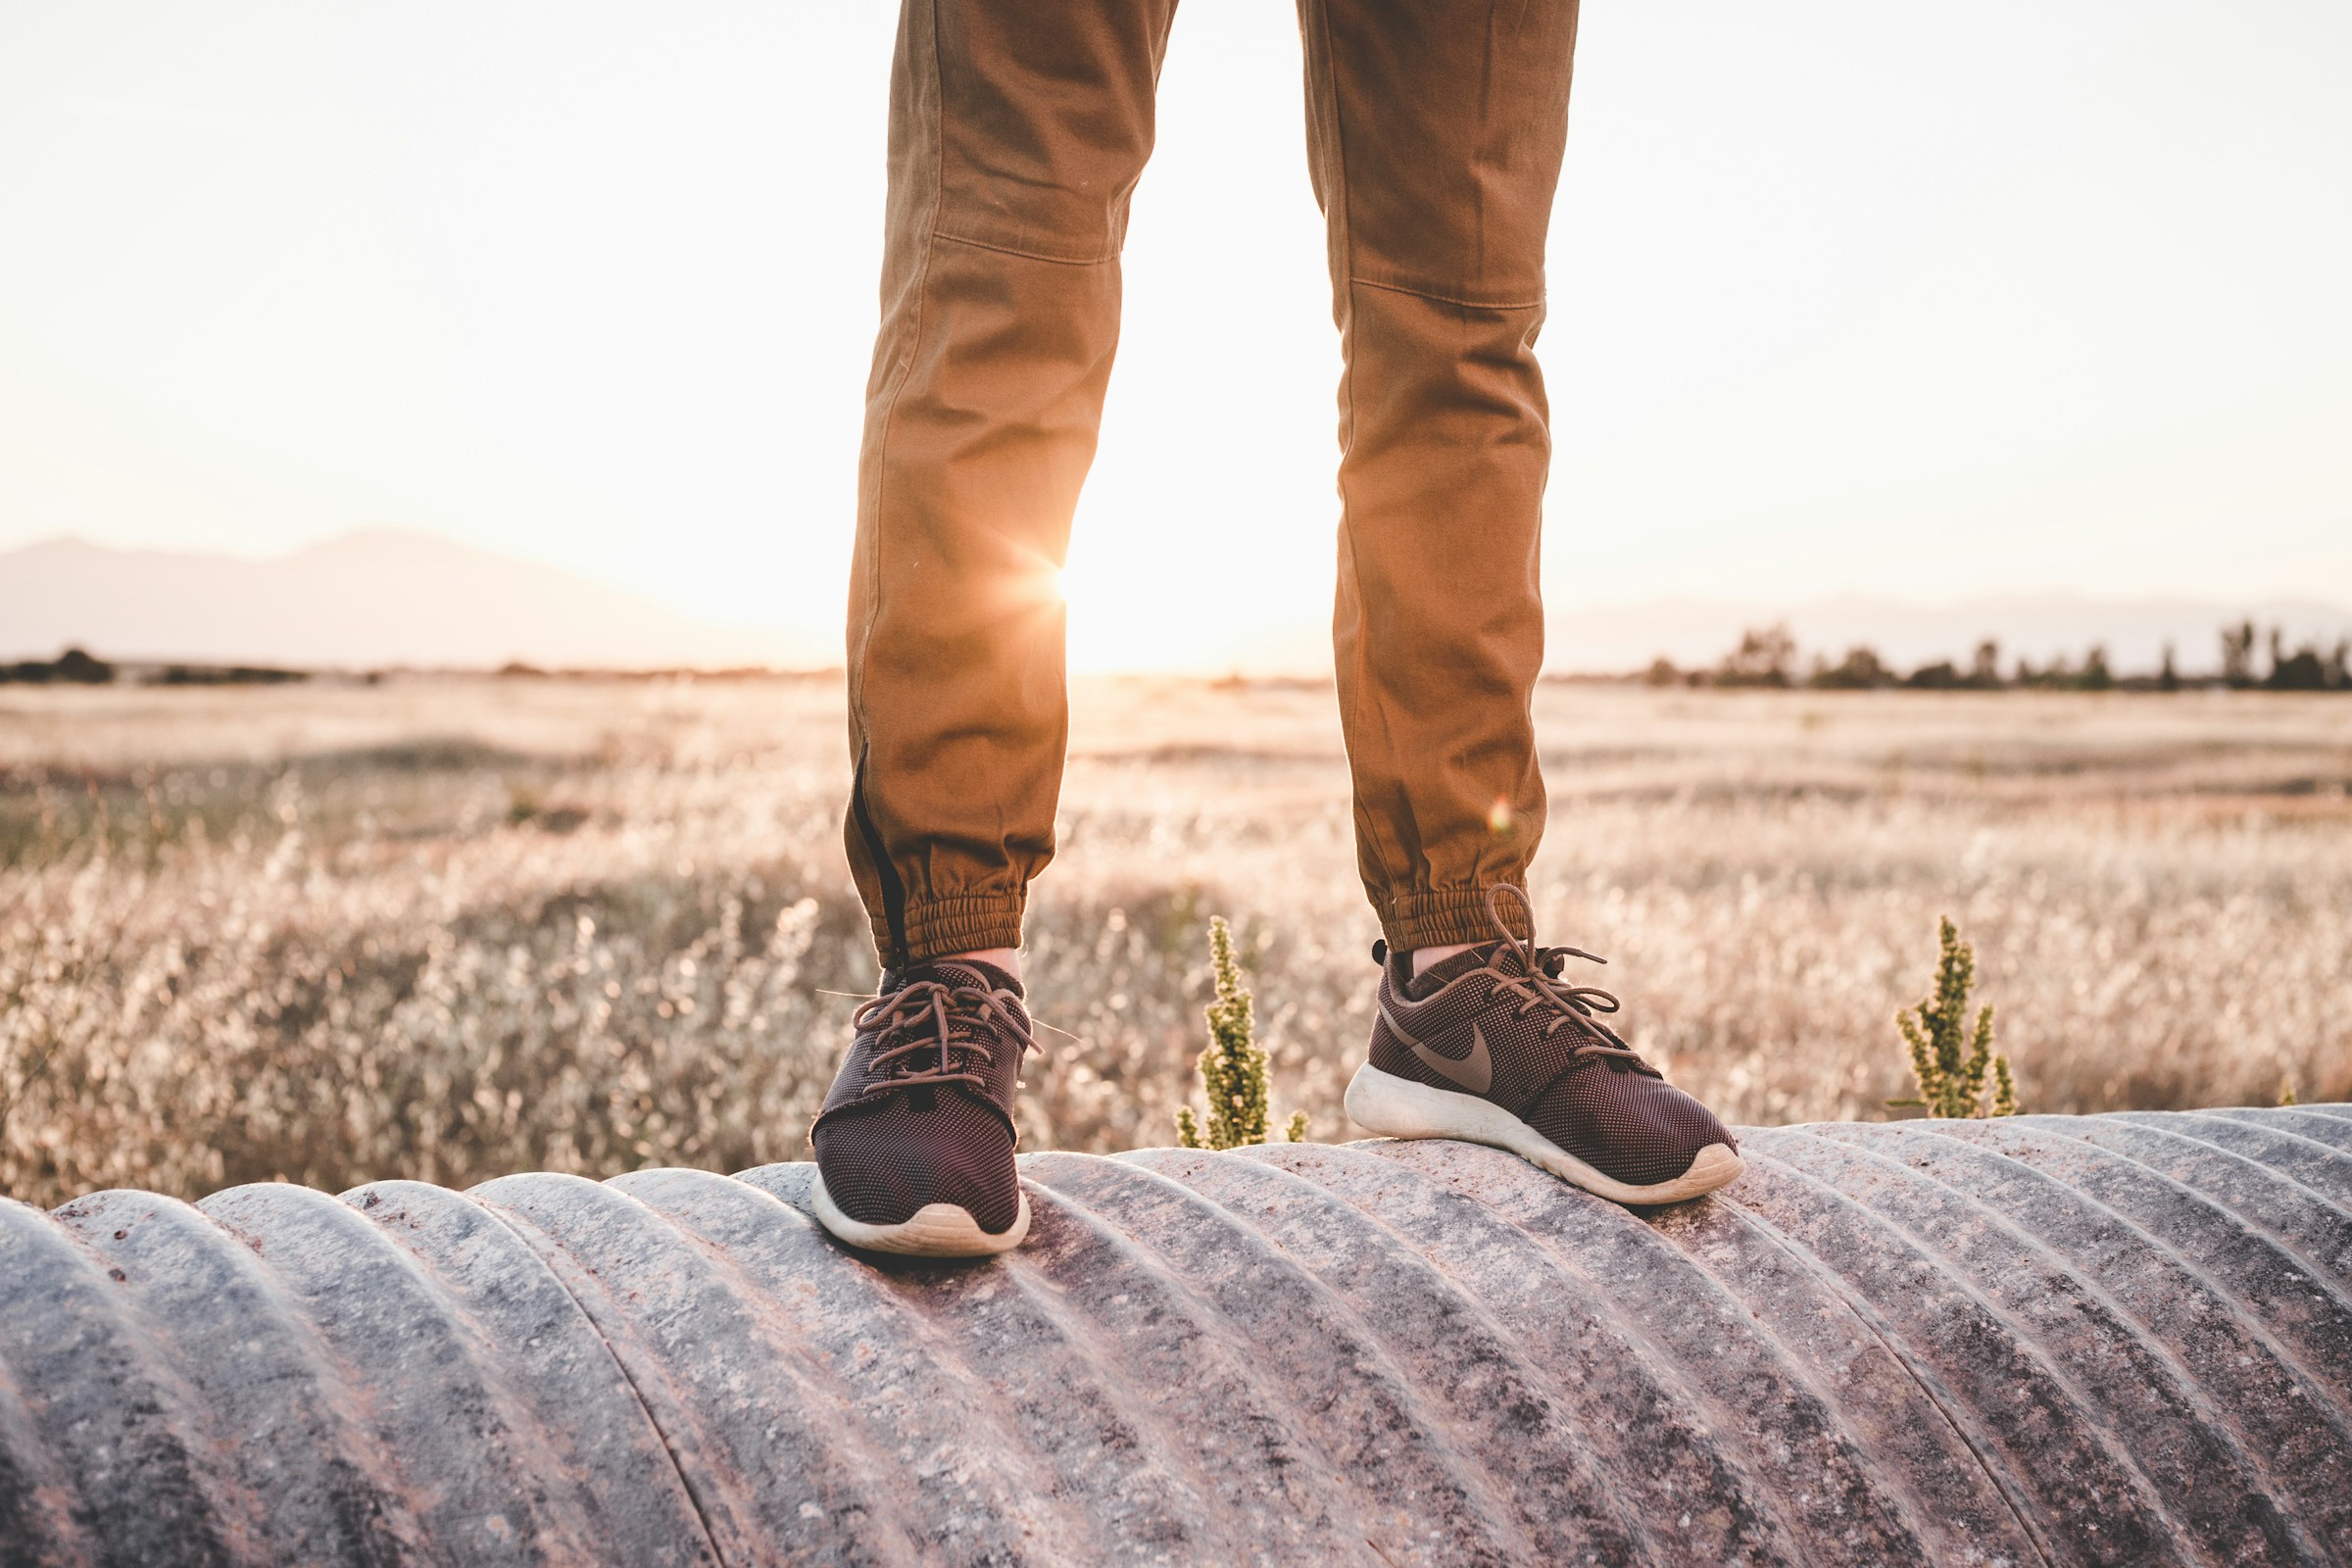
(1498, 1022)
(922, 1111)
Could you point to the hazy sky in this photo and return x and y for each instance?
(1931, 300)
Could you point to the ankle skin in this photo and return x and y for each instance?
(1007, 960)
(1424, 958)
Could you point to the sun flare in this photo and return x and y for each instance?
(1145, 600)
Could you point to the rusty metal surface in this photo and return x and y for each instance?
(2053, 1340)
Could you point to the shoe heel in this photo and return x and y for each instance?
(1390, 1107)
(1370, 1105)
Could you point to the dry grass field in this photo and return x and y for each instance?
(447, 928)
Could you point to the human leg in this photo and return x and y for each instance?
(1016, 137)
(1434, 134)
(1436, 129)
(1018, 133)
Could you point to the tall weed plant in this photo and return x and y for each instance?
(1234, 1071)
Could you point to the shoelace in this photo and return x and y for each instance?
(1539, 986)
(952, 1011)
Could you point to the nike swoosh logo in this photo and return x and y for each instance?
(1475, 1072)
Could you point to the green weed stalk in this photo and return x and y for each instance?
(1950, 1058)
(1233, 1070)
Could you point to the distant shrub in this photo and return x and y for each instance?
(1941, 676)
(1950, 1073)
(73, 667)
(1762, 659)
(2237, 655)
(2061, 675)
(2306, 670)
(1860, 671)
(1985, 669)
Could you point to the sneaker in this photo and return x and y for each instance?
(915, 1143)
(1491, 1046)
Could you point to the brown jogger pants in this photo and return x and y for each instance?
(1018, 129)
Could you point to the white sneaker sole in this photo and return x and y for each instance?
(1398, 1108)
(935, 1229)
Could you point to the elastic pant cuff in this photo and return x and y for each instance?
(1429, 917)
(965, 924)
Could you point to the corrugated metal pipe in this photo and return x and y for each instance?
(2118, 1339)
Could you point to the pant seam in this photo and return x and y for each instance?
(1031, 256)
(1368, 831)
(1448, 299)
(885, 870)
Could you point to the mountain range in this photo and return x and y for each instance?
(391, 598)
(367, 600)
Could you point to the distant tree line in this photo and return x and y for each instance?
(77, 667)
(1768, 658)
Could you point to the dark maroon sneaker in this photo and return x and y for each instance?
(1493, 1046)
(915, 1143)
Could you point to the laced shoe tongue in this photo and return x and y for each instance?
(964, 1033)
(1508, 957)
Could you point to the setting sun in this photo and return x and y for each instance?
(1139, 602)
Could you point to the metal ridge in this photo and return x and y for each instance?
(2121, 1339)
